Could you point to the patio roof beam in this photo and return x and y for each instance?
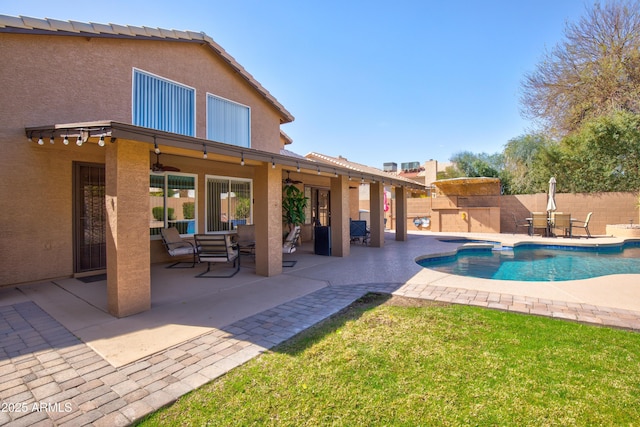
(117, 130)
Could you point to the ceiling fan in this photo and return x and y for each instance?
(159, 167)
(289, 181)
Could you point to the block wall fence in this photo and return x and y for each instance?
(607, 208)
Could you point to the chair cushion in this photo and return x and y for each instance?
(185, 250)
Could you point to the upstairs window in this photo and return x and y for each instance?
(162, 104)
(228, 121)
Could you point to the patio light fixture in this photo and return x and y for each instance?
(52, 139)
(297, 167)
(204, 151)
(79, 141)
(242, 159)
(101, 141)
(40, 141)
(273, 163)
(65, 141)
(156, 149)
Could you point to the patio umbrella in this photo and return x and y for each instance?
(551, 204)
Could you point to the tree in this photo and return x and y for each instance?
(594, 72)
(603, 156)
(475, 165)
(520, 156)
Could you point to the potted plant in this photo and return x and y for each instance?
(293, 205)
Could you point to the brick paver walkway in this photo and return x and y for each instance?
(48, 377)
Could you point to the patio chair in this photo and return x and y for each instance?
(519, 224)
(539, 220)
(358, 231)
(291, 242)
(217, 248)
(246, 239)
(562, 221)
(583, 224)
(177, 246)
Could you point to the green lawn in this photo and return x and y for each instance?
(388, 362)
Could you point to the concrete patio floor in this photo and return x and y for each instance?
(62, 350)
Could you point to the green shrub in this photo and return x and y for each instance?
(158, 213)
(189, 210)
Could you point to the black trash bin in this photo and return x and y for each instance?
(322, 240)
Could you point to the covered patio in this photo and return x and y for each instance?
(130, 152)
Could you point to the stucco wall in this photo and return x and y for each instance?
(607, 208)
(57, 79)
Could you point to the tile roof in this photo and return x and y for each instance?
(360, 169)
(28, 25)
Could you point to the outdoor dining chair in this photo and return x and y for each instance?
(217, 248)
(539, 220)
(246, 239)
(583, 224)
(519, 224)
(562, 221)
(177, 246)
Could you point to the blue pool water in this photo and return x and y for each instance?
(540, 263)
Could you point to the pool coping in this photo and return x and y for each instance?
(621, 291)
(480, 245)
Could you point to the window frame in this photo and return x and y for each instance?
(208, 203)
(166, 206)
(225, 139)
(173, 126)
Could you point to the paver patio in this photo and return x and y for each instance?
(50, 376)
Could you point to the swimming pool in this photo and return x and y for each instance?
(531, 262)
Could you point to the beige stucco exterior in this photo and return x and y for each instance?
(49, 79)
(60, 78)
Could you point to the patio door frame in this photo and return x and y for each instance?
(89, 218)
(320, 205)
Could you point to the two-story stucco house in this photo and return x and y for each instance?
(110, 133)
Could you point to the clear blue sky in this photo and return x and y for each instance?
(395, 81)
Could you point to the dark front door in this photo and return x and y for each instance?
(89, 217)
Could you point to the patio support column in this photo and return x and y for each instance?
(127, 210)
(267, 217)
(401, 214)
(340, 232)
(376, 197)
